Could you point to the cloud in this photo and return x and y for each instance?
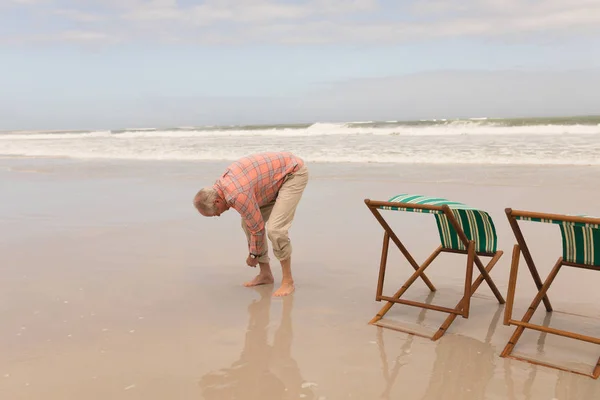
(72, 36)
(26, 1)
(84, 36)
(321, 21)
(508, 16)
(244, 11)
(76, 15)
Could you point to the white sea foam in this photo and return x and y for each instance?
(463, 142)
(458, 156)
(324, 129)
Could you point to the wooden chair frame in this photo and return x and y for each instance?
(524, 323)
(473, 257)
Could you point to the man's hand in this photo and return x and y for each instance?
(252, 262)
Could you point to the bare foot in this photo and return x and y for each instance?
(285, 289)
(260, 279)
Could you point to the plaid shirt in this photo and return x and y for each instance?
(253, 182)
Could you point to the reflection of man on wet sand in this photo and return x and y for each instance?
(264, 371)
(463, 367)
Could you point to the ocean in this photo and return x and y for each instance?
(530, 141)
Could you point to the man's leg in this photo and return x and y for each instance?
(280, 222)
(265, 276)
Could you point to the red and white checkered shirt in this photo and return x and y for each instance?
(253, 182)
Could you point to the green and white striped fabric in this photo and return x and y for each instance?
(476, 224)
(581, 242)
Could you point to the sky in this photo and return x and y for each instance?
(108, 64)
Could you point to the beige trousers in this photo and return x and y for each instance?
(279, 214)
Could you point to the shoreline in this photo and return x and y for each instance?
(316, 162)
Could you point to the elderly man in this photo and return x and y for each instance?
(265, 189)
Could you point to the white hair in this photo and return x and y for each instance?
(204, 201)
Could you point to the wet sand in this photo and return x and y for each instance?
(114, 288)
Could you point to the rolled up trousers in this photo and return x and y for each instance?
(279, 214)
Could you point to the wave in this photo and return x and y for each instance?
(452, 128)
(479, 141)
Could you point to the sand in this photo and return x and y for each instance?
(112, 287)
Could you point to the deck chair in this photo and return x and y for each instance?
(581, 249)
(462, 229)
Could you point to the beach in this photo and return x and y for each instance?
(113, 286)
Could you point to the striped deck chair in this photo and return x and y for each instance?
(581, 249)
(462, 229)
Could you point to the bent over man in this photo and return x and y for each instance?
(265, 189)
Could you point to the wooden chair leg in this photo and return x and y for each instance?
(400, 246)
(489, 280)
(450, 319)
(404, 288)
(468, 279)
(596, 373)
(383, 264)
(512, 283)
(531, 310)
(527, 255)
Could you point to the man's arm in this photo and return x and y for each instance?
(248, 208)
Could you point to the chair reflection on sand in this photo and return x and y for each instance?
(568, 385)
(462, 369)
(390, 375)
(263, 371)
